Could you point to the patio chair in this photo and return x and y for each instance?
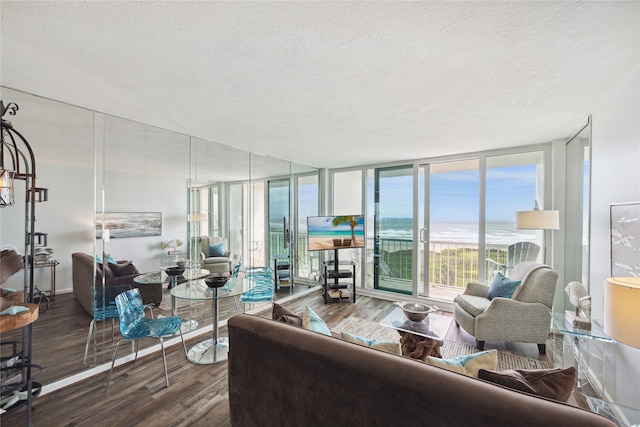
(516, 253)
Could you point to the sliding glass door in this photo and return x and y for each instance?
(448, 203)
(393, 229)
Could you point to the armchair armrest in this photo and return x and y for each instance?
(476, 289)
(202, 257)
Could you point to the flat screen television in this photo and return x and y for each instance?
(335, 232)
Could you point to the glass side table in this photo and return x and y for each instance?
(589, 350)
(586, 353)
(622, 415)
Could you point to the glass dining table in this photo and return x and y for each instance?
(216, 349)
(172, 280)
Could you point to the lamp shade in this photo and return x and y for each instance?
(198, 217)
(538, 220)
(622, 310)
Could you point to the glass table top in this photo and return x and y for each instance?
(160, 277)
(434, 326)
(596, 331)
(198, 289)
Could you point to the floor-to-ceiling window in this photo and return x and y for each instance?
(433, 225)
(307, 203)
(513, 183)
(348, 200)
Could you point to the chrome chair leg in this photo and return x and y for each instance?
(164, 361)
(86, 348)
(113, 361)
(184, 346)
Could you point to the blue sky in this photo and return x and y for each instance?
(454, 195)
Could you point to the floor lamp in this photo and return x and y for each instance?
(538, 219)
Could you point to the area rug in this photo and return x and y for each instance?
(450, 349)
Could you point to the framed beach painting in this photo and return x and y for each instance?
(129, 224)
(625, 239)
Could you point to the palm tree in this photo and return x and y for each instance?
(351, 219)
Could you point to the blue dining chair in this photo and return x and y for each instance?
(104, 307)
(134, 326)
(262, 277)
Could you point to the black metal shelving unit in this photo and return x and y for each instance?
(16, 156)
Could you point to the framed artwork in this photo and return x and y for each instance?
(625, 239)
(129, 224)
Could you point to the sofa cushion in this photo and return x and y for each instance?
(123, 269)
(472, 304)
(283, 314)
(468, 365)
(313, 322)
(555, 383)
(216, 250)
(502, 287)
(388, 346)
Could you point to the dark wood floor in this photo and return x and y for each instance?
(197, 395)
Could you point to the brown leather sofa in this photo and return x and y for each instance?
(286, 375)
(122, 273)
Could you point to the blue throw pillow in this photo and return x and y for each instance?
(111, 260)
(502, 287)
(98, 259)
(313, 322)
(216, 250)
(468, 365)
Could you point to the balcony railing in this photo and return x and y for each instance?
(451, 264)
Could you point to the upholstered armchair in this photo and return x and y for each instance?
(214, 256)
(525, 317)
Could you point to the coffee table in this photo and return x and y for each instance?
(216, 349)
(419, 339)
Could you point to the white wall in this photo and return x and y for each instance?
(68, 218)
(615, 179)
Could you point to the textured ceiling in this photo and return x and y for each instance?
(329, 84)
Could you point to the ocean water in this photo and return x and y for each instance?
(497, 233)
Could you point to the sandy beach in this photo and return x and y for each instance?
(319, 243)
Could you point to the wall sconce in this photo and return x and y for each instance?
(6, 187)
(622, 309)
(538, 219)
(106, 235)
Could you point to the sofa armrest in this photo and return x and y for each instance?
(476, 289)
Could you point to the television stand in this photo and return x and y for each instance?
(336, 288)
